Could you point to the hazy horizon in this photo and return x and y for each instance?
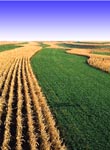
(54, 21)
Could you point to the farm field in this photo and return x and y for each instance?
(54, 75)
(91, 42)
(8, 47)
(85, 45)
(78, 96)
(98, 54)
(102, 53)
(26, 122)
(59, 100)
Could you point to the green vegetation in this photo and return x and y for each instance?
(84, 46)
(102, 53)
(43, 45)
(79, 98)
(8, 47)
(92, 42)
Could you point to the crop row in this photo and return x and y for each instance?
(26, 121)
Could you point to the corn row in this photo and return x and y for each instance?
(55, 137)
(5, 90)
(42, 126)
(7, 134)
(19, 111)
(32, 134)
(17, 79)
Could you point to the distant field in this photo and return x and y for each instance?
(24, 43)
(91, 42)
(102, 53)
(43, 45)
(85, 46)
(79, 97)
(8, 47)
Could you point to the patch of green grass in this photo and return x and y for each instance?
(79, 98)
(84, 46)
(8, 47)
(102, 53)
(43, 45)
(92, 42)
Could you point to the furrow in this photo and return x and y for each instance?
(7, 133)
(42, 127)
(31, 129)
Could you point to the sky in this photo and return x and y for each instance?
(55, 20)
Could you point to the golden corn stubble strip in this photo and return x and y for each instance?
(7, 134)
(5, 90)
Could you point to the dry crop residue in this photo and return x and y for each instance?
(26, 122)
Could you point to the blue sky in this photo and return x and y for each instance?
(59, 20)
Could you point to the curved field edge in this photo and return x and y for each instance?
(84, 46)
(98, 61)
(5, 47)
(97, 54)
(78, 96)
